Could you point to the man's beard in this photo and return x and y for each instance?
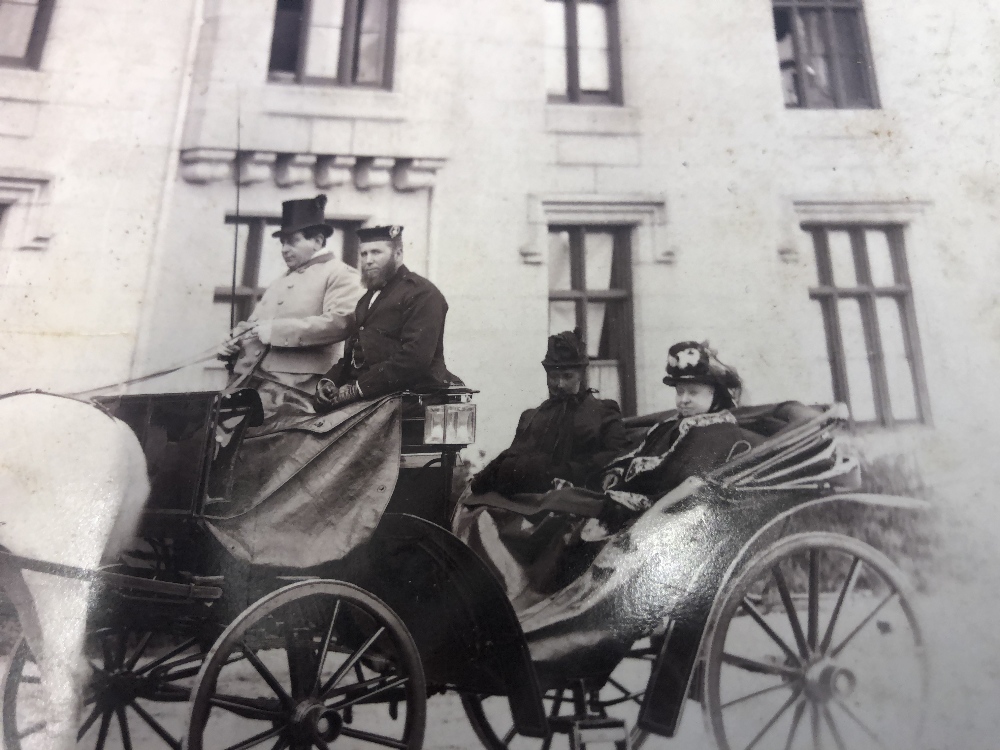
(376, 278)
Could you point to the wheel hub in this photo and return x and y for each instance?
(825, 680)
(312, 720)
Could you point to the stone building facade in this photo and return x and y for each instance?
(809, 184)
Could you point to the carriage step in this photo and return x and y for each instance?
(593, 730)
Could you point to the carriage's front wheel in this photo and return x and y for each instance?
(816, 645)
(316, 664)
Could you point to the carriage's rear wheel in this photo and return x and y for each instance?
(816, 645)
(134, 675)
(619, 698)
(316, 664)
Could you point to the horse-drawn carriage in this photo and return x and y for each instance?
(296, 587)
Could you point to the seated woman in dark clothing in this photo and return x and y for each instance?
(703, 436)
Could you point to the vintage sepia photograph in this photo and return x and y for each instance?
(528, 374)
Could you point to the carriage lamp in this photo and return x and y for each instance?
(450, 424)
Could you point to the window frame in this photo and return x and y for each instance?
(827, 293)
(347, 56)
(573, 94)
(248, 290)
(868, 71)
(32, 58)
(624, 293)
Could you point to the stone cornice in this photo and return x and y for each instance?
(200, 166)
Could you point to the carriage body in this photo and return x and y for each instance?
(454, 628)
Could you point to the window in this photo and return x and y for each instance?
(23, 27)
(590, 288)
(871, 332)
(342, 42)
(257, 265)
(581, 51)
(823, 54)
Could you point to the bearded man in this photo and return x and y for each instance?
(397, 341)
(567, 439)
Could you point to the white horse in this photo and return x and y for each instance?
(73, 484)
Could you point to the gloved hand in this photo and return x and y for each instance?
(231, 347)
(346, 394)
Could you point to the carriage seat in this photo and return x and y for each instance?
(766, 420)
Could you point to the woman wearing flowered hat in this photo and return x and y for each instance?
(701, 437)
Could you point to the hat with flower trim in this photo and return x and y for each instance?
(566, 351)
(693, 362)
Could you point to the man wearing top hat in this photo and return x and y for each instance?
(397, 340)
(293, 334)
(569, 437)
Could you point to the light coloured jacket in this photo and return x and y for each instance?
(311, 309)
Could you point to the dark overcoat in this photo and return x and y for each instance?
(569, 439)
(397, 341)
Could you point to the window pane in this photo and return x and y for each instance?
(879, 257)
(606, 379)
(323, 46)
(595, 326)
(371, 41)
(560, 275)
(786, 56)
(818, 387)
(592, 37)
(598, 250)
(555, 48)
(859, 380)
(851, 57)
(841, 258)
(562, 316)
(810, 26)
(17, 18)
(902, 394)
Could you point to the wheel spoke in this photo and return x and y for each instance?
(280, 744)
(773, 720)
(248, 708)
(755, 694)
(816, 726)
(122, 649)
(123, 728)
(320, 744)
(106, 653)
(168, 656)
(871, 615)
(509, 736)
(257, 738)
(759, 619)
(140, 649)
(102, 733)
(793, 617)
(846, 709)
(324, 648)
(370, 693)
(37, 727)
(833, 728)
(155, 726)
(812, 624)
(351, 661)
(265, 673)
(377, 739)
(88, 723)
(852, 577)
(751, 665)
(800, 709)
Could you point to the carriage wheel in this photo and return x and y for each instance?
(619, 698)
(132, 676)
(816, 645)
(308, 665)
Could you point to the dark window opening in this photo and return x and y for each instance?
(590, 288)
(341, 42)
(823, 54)
(871, 329)
(24, 25)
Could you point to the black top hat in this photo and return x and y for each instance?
(691, 362)
(303, 214)
(377, 234)
(565, 351)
